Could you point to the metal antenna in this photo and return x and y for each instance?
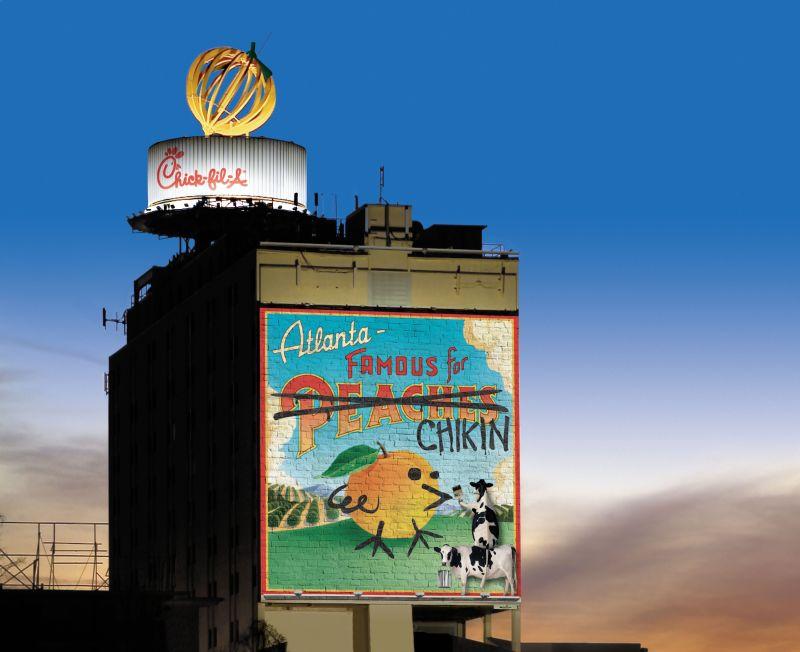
(269, 36)
(116, 320)
(380, 187)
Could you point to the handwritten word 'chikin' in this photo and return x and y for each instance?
(316, 341)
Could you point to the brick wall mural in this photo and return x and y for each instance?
(389, 452)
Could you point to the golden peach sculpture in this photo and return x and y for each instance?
(230, 92)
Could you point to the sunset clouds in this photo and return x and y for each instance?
(642, 157)
(42, 479)
(688, 569)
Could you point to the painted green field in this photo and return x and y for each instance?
(323, 558)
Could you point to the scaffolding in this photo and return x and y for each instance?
(54, 555)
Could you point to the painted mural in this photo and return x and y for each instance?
(389, 452)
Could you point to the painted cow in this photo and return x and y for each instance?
(485, 529)
(473, 561)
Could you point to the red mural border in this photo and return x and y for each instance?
(262, 312)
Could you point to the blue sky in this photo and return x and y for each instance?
(642, 156)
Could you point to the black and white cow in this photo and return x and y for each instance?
(473, 561)
(485, 529)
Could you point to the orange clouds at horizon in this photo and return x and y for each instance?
(708, 568)
(696, 569)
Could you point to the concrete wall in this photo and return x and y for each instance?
(391, 628)
(352, 628)
(183, 448)
(309, 629)
(386, 278)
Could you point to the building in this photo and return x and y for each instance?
(69, 620)
(233, 481)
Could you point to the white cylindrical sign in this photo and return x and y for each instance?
(182, 170)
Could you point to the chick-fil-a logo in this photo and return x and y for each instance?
(170, 175)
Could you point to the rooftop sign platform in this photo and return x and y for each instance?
(231, 93)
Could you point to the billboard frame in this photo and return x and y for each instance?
(327, 596)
